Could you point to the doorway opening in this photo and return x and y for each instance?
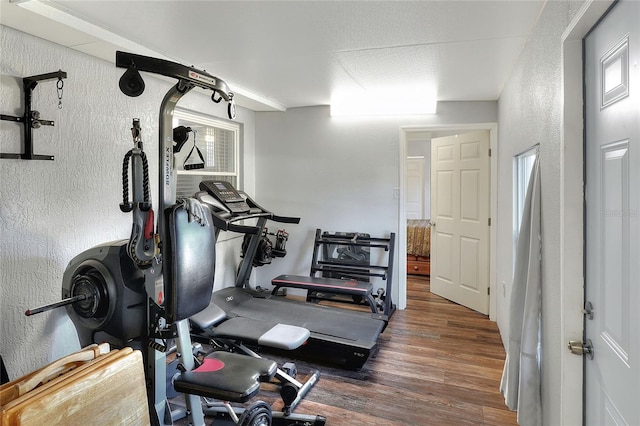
(406, 134)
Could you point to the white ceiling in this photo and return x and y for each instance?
(284, 54)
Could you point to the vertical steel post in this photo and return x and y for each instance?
(154, 284)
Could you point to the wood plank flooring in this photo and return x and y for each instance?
(439, 364)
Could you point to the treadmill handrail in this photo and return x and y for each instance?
(271, 216)
(227, 224)
(285, 219)
(225, 219)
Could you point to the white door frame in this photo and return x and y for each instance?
(402, 211)
(422, 162)
(572, 207)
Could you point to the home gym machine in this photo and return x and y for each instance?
(141, 292)
(339, 337)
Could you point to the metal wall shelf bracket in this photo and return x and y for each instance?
(31, 118)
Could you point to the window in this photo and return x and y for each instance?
(523, 164)
(219, 142)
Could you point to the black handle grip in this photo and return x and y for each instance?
(63, 302)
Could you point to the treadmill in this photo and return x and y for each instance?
(338, 337)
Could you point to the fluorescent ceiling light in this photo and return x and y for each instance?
(387, 102)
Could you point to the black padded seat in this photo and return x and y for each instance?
(188, 271)
(330, 285)
(226, 376)
(209, 317)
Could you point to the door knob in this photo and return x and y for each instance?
(577, 347)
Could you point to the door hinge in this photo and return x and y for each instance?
(489, 221)
(489, 152)
(488, 291)
(588, 310)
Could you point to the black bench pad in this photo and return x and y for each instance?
(209, 317)
(329, 285)
(263, 333)
(226, 376)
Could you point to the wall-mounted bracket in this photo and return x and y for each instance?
(31, 119)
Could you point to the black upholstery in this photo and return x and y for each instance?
(237, 378)
(188, 272)
(188, 264)
(332, 285)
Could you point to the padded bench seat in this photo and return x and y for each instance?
(209, 317)
(356, 289)
(226, 376)
(328, 285)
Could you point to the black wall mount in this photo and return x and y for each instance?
(31, 118)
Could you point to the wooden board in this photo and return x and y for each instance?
(16, 388)
(107, 391)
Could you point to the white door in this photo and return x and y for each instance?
(460, 174)
(612, 281)
(415, 188)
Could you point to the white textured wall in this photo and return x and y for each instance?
(52, 210)
(337, 173)
(530, 112)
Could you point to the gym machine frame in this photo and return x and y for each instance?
(132, 85)
(144, 256)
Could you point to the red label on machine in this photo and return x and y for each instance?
(148, 226)
(194, 75)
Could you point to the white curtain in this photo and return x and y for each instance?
(521, 376)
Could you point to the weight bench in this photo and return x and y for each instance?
(188, 272)
(362, 290)
(234, 333)
(342, 266)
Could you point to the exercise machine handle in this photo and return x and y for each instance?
(51, 306)
(224, 215)
(225, 221)
(142, 247)
(285, 219)
(243, 229)
(268, 214)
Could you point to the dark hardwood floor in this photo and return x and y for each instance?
(439, 364)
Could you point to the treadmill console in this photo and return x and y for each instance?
(225, 193)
